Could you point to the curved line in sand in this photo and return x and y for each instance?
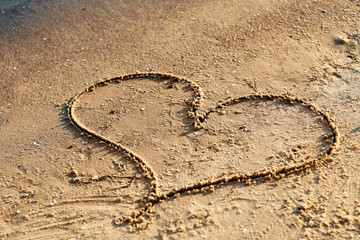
(155, 196)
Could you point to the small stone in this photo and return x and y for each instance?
(196, 133)
(298, 203)
(142, 109)
(323, 11)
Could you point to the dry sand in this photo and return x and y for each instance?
(59, 183)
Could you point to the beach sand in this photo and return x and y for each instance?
(58, 182)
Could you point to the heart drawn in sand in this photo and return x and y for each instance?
(158, 121)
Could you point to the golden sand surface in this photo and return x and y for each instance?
(180, 119)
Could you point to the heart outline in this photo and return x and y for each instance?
(199, 118)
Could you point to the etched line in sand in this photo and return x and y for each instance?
(155, 196)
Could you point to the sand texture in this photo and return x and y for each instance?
(180, 119)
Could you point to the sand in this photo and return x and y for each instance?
(182, 155)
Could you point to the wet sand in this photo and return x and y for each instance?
(59, 182)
